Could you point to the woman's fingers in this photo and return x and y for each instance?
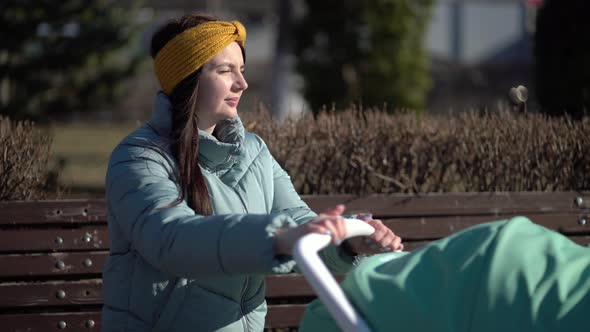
(391, 242)
(380, 230)
(384, 238)
(387, 240)
(397, 244)
(335, 224)
(335, 211)
(330, 225)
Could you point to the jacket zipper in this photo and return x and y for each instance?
(241, 200)
(244, 320)
(245, 287)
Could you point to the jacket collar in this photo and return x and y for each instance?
(216, 153)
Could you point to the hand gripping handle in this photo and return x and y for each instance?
(305, 253)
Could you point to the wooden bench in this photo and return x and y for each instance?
(52, 252)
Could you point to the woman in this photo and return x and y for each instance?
(199, 210)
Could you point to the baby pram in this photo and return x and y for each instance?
(510, 275)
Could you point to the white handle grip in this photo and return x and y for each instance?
(356, 227)
(305, 253)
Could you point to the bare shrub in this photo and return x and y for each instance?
(365, 151)
(24, 161)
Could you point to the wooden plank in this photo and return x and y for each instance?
(89, 292)
(426, 228)
(278, 316)
(284, 315)
(53, 212)
(383, 205)
(409, 228)
(412, 245)
(51, 293)
(289, 285)
(455, 204)
(43, 322)
(56, 239)
(581, 240)
(54, 264)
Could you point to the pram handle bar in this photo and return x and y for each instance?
(305, 253)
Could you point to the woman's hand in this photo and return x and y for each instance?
(330, 222)
(382, 240)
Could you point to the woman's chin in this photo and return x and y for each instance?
(229, 114)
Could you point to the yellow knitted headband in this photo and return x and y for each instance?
(192, 48)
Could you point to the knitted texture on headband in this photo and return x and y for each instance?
(192, 48)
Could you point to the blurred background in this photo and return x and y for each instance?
(81, 68)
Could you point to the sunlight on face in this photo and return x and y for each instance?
(221, 84)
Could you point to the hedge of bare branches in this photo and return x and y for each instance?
(373, 152)
(24, 160)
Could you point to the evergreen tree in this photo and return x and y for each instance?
(65, 56)
(562, 57)
(369, 51)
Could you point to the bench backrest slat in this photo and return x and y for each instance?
(279, 316)
(51, 293)
(455, 204)
(54, 239)
(53, 212)
(284, 315)
(61, 293)
(428, 228)
(43, 322)
(393, 205)
(52, 264)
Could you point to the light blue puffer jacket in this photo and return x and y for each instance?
(172, 270)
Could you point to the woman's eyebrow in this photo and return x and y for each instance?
(228, 64)
(225, 63)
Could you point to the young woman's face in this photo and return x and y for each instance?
(221, 84)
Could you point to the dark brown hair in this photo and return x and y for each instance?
(185, 133)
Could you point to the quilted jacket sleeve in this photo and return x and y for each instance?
(287, 201)
(140, 190)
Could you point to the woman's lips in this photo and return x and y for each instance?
(233, 102)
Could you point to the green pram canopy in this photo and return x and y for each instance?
(510, 275)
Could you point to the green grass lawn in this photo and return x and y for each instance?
(84, 151)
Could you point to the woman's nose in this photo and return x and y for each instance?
(241, 83)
